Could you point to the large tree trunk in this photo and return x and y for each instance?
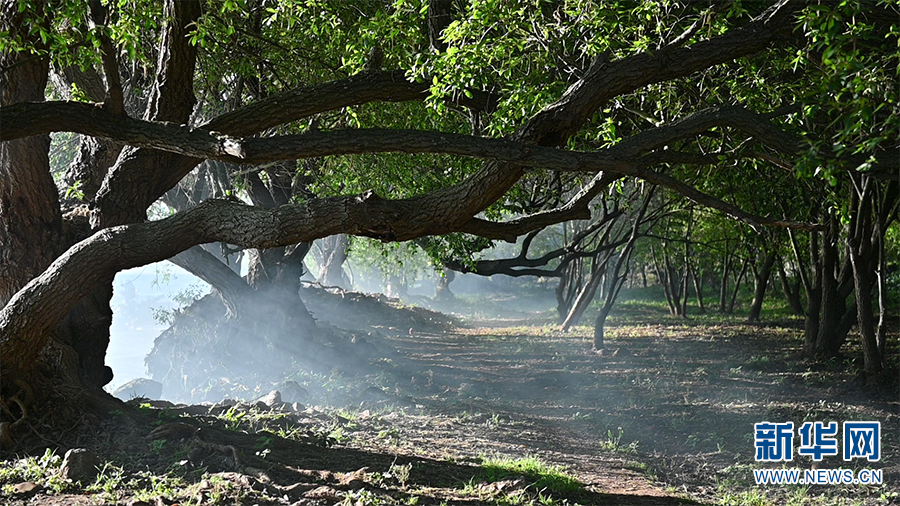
(67, 360)
(31, 230)
(570, 279)
(33, 234)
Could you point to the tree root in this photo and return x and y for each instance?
(18, 421)
(24, 388)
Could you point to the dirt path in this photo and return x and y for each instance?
(667, 412)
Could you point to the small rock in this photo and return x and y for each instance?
(136, 502)
(297, 407)
(271, 399)
(140, 387)
(291, 392)
(26, 487)
(79, 464)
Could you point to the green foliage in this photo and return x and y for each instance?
(853, 54)
(74, 191)
(61, 30)
(183, 299)
(551, 478)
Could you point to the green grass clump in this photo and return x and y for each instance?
(542, 476)
(41, 470)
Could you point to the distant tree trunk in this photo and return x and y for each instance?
(881, 283)
(396, 286)
(599, 326)
(761, 278)
(791, 293)
(674, 283)
(334, 254)
(617, 275)
(698, 287)
(442, 290)
(569, 281)
(586, 294)
(723, 283)
(872, 359)
(737, 286)
(865, 231)
(887, 202)
(836, 317)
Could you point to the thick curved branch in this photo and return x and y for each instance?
(230, 285)
(739, 118)
(27, 119)
(575, 209)
(621, 160)
(199, 143)
(41, 304)
(306, 101)
(555, 124)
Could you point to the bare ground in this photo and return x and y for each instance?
(664, 416)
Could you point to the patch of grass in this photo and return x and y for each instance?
(613, 442)
(147, 486)
(542, 476)
(642, 468)
(108, 481)
(43, 470)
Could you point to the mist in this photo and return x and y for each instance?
(138, 295)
